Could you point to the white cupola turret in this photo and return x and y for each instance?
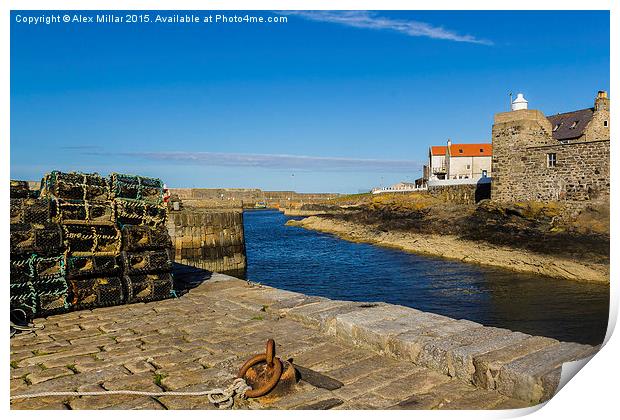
(519, 103)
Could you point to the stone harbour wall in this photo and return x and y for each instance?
(461, 194)
(208, 239)
(246, 197)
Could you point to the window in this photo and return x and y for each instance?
(574, 124)
(468, 166)
(556, 127)
(460, 150)
(481, 150)
(605, 123)
(551, 160)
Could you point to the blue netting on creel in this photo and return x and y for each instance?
(38, 285)
(23, 294)
(50, 285)
(137, 187)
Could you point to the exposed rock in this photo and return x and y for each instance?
(578, 268)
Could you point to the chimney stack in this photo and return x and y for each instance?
(601, 103)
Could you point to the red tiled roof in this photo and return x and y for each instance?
(438, 150)
(478, 149)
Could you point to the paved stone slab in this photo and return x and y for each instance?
(46, 374)
(318, 353)
(367, 401)
(321, 405)
(40, 349)
(488, 365)
(18, 372)
(460, 359)
(139, 367)
(304, 395)
(179, 379)
(317, 379)
(48, 358)
(185, 402)
(18, 385)
(73, 382)
(410, 344)
(43, 403)
(417, 381)
(283, 306)
(322, 314)
(355, 370)
(535, 377)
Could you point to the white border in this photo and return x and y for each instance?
(592, 395)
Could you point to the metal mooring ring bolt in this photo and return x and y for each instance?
(272, 363)
(270, 352)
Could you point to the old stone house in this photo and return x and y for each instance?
(559, 157)
(459, 161)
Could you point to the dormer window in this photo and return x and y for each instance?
(460, 150)
(574, 124)
(481, 150)
(557, 126)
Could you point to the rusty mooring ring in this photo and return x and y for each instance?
(272, 362)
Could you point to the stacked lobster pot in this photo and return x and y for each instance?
(82, 205)
(146, 245)
(88, 241)
(37, 270)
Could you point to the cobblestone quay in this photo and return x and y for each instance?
(386, 356)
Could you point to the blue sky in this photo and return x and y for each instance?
(329, 101)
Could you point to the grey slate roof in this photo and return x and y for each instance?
(562, 124)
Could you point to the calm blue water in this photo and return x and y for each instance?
(315, 263)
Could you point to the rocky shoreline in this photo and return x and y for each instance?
(458, 248)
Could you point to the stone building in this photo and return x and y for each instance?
(563, 157)
(459, 161)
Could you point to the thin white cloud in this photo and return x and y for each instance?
(371, 20)
(292, 162)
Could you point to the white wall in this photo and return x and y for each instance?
(459, 166)
(436, 163)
